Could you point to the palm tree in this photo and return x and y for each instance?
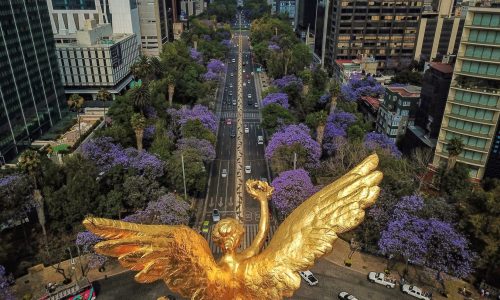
(141, 68)
(194, 38)
(455, 147)
(76, 101)
(141, 96)
(104, 95)
(321, 117)
(156, 67)
(138, 123)
(171, 88)
(30, 162)
(334, 92)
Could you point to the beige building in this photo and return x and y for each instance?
(156, 22)
(472, 110)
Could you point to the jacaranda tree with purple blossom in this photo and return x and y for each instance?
(287, 81)
(336, 129)
(216, 66)
(210, 76)
(357, 87)
(290, 142)
(198, 112)
(374, 140)
(5, 282)
(204, 147)
(196, 55)
(291, 188)
(16, 194)
(166, 210)
(86, 240)
(278, 98)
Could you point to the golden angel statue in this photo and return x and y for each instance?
(182, 258)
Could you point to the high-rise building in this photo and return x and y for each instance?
(306, 17)
(31, 94)
(439, 32)
(156, 21)
(321, 31)
(284, 7)
(384, 29)
(472, 110)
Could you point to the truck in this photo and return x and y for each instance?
(415, 292)
(382, 279)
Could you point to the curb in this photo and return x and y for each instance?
(109, 276)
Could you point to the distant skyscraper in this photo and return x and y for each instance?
(156, 21)
(31, 93)
(472, 110)
(386, 30)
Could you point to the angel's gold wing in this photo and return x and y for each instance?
(309, 231)
(176, 254)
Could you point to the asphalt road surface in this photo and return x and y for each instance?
(332, 280)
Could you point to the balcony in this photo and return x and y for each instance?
(467, 161)
(485, 76)
(465, 132)
(483, 86)
(473, 120)
(471, 58)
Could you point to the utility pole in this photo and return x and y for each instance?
(294, 160)
(184, 176)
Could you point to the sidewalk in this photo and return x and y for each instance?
(38, 276)
(365, 263)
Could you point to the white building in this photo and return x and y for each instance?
(95, 58)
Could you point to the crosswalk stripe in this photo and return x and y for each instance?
(247, 115)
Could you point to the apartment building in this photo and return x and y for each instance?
(472, 110)
(156, 23)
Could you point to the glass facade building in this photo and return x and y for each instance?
(473, 107)
(31, 93)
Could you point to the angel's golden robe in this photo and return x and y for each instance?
(181, 257)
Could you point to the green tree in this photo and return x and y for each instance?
(317, 121)
(301, 57)
(76, 102)
(120, 133)
(141, 97)
(138, 123)
(319, 79)
(194, 128)
(171, 88)
(141, 69)
(274, 115)
(139, 190)
(454, 147)
(408, 77)
(194, 171)
(162, 145)
(283, 158)
(454, 183)
(103, 95)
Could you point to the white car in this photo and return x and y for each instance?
(249, 96)
(248, 169)
(382, 279)
(216, 215)
(415, 292)
(256, 105)
(346, 296)
(224, 173)
(308, 276)
(247, 130)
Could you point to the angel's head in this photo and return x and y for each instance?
(227, 234)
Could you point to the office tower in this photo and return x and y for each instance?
(398, 110)
(31, 94)
(285, 7)
(473, 106)
(386, 30)
(435, 86)
(306, 16)
(321, 31)
(156, 21)
(94, 58)
(191, 8)
(439, 32)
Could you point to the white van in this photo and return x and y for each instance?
(260, 140)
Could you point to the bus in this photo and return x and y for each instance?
(81, 290)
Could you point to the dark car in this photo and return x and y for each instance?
(233, 133)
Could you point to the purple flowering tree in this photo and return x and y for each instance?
(325, 98)
(278, 98)
(274, 47)
(167, 210)
(290, 142)
(287, 81)
(149, 132)
(198, 112)
(357, 87)
(210, 76)
(5, 281)
(86, 240)
(226, 43)
(374, 140)
(16, 196)
(336, 130)
(291, 188)
(196, 55)
(216, 66)
(204, 147)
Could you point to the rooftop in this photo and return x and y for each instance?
(441, 67)
(406, 91)
(374, 102)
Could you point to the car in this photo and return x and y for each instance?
(230, 85)
(247, 130)
(230, 93)
(205, 226)
(233, 133)
(234, 102)
(228, 121)
(224, 173)
(346, 296)
(382, 279)
(248, 169)
(248, 81)
(260, 140)
(233, 60)
(263, 179)
(256, 105)
(232, 74)
(215, 215)
(308, 276)
(415, 292)
(249, 96)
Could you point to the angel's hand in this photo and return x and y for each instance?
(259, 190)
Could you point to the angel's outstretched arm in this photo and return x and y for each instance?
(261, 192)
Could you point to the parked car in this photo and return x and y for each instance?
(415, 292)
(346, 296)
(215, 215)
(248, 169)
(232, 74)
(308, 276)
(382, 279)
(224, 173)
(205, 226)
